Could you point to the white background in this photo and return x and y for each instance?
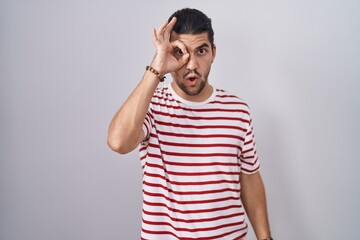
(67, 66)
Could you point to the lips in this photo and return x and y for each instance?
(192, 80)
(192, 77)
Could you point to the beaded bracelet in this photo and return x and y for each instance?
(153, 70)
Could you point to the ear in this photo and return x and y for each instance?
(213, 53)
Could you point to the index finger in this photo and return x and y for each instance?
(169, 27)
(161, 29)
(179, 44)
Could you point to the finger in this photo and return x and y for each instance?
(154, 36)
(179, 44)
(160, 30)
(185, 56)
(184, 59)
(169, 27)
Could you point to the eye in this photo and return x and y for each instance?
(202, 51)
(179, 52)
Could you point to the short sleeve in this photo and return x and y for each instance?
(146, 127)
(249, 159)
(149, 121)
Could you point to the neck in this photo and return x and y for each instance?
(202, 96)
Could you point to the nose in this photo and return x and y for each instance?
(192, 64)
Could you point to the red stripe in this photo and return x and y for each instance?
(197, 145)
(190, 183)
(199, 118)
(154, 155)
(201, 164)
(183, 238)
(150, 116)
(143, 157)
(246, 151)
(199, 126)
(208, 210)
(227, 96)
(200, 135)
(248, 157)
(193, 201)
(220, 102)
(189, 145)
(163, 97)
(201, 173)
(199, 109)
(191, 192)
(194, 146)
(251, 163)
(147, 120)
(193, 220)
(249, 171)
(152, 165)
(191, 173)
(182, 154)
(185, 154)
(206, 229)
(242, 235)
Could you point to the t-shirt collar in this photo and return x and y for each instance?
(191, 103)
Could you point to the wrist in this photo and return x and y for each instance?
(155, 72)
(158, 64)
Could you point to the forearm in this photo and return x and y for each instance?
(254, 200)
(257, 213)
(125, 130)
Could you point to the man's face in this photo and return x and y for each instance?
(192, 79)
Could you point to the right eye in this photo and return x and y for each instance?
(179, 52)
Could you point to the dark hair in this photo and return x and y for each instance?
(192, 21)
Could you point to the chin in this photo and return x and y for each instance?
(193, 91)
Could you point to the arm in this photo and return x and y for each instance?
(125, 130)
(254, 201)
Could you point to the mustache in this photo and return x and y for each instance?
(192, 72)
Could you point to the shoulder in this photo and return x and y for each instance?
(228, 98)
(161, 92)
(162, 98)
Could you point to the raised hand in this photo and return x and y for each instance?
(164, 60)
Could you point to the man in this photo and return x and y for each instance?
(196, 142)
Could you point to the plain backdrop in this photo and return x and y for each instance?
(67, 66)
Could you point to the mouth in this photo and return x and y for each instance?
(192, 80)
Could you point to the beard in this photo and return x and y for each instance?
(193, 91)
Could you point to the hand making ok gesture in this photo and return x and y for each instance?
(164, 60)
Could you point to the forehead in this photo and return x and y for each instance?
(191, 40)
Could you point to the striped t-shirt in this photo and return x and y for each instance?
(192, 156)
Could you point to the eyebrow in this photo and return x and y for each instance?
(206, 45)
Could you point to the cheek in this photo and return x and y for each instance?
(177, 74)
(206, 64)
(181, 71)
